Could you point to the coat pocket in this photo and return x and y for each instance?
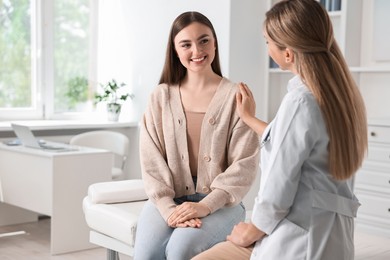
(288, 241)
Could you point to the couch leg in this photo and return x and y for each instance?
(112, 255)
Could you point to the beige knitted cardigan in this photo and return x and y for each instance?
(228, 151)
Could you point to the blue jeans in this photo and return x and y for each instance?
(156, 240)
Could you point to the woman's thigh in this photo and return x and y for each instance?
(152, 234)
(185, 243)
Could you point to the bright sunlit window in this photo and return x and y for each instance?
(48, 58)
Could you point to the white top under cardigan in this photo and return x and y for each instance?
(305, 212)
(228, 151)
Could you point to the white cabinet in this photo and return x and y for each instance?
(360, 28)
(372, 74)
(372, 183)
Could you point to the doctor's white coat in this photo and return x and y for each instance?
(305, 212)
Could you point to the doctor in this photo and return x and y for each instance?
(311, 150)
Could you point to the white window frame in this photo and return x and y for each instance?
(42, 67)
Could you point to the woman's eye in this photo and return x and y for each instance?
(185, 45)
(204, 41)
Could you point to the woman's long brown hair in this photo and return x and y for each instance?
(305, 27)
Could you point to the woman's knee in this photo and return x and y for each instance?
(185, 243)
(152, 234)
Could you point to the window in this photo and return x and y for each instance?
(47, 57)
(73, 55)
(16, 87)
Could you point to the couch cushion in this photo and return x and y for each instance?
(117, 220)
(117, 191)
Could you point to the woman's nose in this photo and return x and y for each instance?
(197, 48)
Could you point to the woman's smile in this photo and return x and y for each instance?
(198, 60)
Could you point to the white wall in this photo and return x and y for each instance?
(248, 61)
(134, 36)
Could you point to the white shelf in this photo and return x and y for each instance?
(385, 69)
(67, 124)
(371, 69)
(335, 14)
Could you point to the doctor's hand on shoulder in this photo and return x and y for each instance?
(246, 105)
(246, 109)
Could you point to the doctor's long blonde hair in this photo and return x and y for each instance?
(304, 27)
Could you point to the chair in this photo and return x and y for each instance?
(114, 142)
(111, 211)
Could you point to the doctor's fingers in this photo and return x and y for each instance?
(239, 97)
(245, 91)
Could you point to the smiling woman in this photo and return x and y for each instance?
(195, 46)
(198, 158)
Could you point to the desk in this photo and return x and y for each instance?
(54, 184)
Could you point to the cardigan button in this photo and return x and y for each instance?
(205, 189)
(179, 121)
(206, 158)
(211, 121)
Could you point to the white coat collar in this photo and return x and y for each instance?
(294, 83)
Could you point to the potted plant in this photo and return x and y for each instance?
(110, 94)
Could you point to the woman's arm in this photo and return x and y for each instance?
(241, 158)
(155, 171)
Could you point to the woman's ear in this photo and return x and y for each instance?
(289, 55)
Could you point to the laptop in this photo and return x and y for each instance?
(26, 138)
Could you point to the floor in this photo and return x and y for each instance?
(371, 247)
(34, 244)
